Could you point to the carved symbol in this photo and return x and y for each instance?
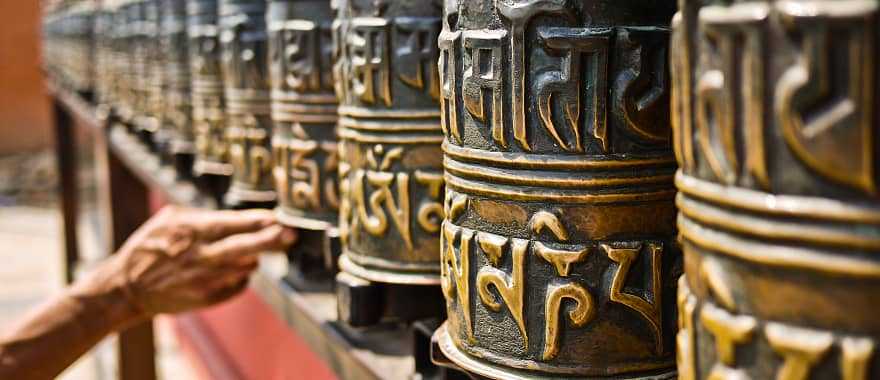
(560, 259)
(800, 348)
(419, 48)
(566, 83)
(717, 93)
(457, 269)
(519, 12)
(509, 287)
(368, 47)
(479, 75)
(651, 310)
(582, 313)
(641, 90)
(856, 358)
(681, 94)
(380, 178)
(458, 204)
(829, 125)
(297, 55)
(430, 214)
(544, 219)
(728, 330)
(448, 43)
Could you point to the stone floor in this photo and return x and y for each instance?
(31, 253)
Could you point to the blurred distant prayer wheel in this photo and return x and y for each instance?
(246, 81)
(176, 81)
(147, 84)
(211, 167)
(304, 142)
(775, 116)
(558, 248)
(132, 16)
(391, 180)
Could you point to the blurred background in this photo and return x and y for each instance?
(31, 246)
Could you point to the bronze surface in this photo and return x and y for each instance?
(775, 131)
(243, 43)
(391, 184)
(558, 249)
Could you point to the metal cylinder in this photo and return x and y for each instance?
(176, 79)
(776, 136)
(558, 248)
(207, 90)
(103, 53)
(303, 113)
(243, 39)
(390, 168)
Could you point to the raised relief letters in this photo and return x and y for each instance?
(482, 63)
(732, 42)
(368, 47)
(416, 50)
(825, 101)
(641, 90)
(299, 55)
(566, 84)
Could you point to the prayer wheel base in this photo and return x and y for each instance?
(445, 353)
(214, 184)
(309, 270)
(183, 165)
(363, 303)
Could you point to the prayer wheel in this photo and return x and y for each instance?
(178, 111)
(389, 126)
(131, 15)
(391, 180)
(243, 40)
(774, 113)
(559, 255)
(146, 85)
(103, 53)
(304, 142)
(211, 167)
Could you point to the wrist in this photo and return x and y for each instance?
(109, 292)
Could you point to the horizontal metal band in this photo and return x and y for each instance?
(557, 179)
(480, 361)
(390, 114)
(347, 264)
(796, 206)
(296, 97)
(777, 255)
(392, 126)
(768, 227)
(530, 194)
(543, 161)
(282, 106)
(246, 94)
(256, 108)
(296, 117)
(386, 138)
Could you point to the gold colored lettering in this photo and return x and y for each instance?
(368, 47)
(458, 270)
(855, 358)
(543, 219)
(686, 360)
(509, 287)
(800, 349)
(560, 259)
(651, 310)
(728, 330)
(448, 43)
(582, 313)
(475, 79)
(419, 48)
(430, 213)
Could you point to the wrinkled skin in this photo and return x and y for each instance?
(181, 259)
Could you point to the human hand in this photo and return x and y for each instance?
(182, 259)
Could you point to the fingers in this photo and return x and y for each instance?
(215, 225)
(236, 246)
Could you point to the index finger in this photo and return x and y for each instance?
(216, 225)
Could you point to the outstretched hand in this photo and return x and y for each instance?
(183, 258)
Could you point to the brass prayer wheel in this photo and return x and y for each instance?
(147, 65)
(390, 167)
(212, 152)
(132, 15)
(774, 112)
(176, 80)
(243, 40)
(103, 53)
(558, 248)
(303, 113)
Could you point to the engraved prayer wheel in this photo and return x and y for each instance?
(103, 53)
(211, 166)
(243, 40)
(147, 66)
(558, 248)
(120, 59)
(131, 15)
(178, 111)
(775, 119)
(304, 119)
(389, 127)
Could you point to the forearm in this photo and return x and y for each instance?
(53, 336)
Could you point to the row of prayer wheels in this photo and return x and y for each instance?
(589, 188)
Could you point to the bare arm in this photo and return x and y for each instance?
(179, 260)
